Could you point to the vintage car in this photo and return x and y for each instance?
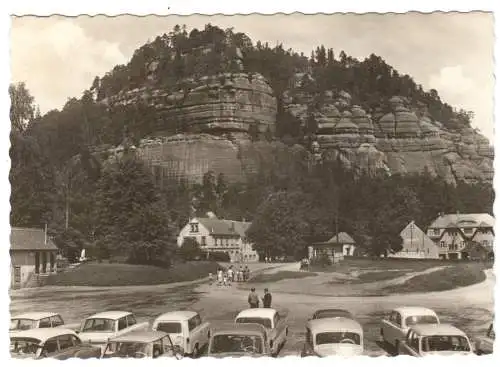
(331, 312)
(275, 325)
(435, 339)
(186, 329)
(340, 336)
(58, 343)
(484, 344)
(238, 340)
(395, 327)
(35, 320)
(142, 344)
(99, 328)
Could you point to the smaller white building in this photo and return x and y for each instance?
(220, 235)
(416, 244)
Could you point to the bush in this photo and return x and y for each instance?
(190, 250)
(322, 261)
(219, 256)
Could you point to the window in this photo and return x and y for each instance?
(169, 327)
(194, 227)
(442, 244)
(99, 325)
(56, 321)
(194, 322)
(276, 319)
(397, 318)
(485, 243)
(65, 342)
(131, 320)
(122, 323)
(203, 241)
(44, 323)
(435, 232)
(467, 230)
(50, 346)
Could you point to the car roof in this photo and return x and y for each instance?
(34, 315)
(44, 333)
(114, 315)
(231, 328)
(412, 310)
(257, 312)
(140, 336)
(437, 329)
(334, 324)
(176, 316)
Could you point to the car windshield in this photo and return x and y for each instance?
(22, 324)
(169, 327)
(251, 344)
(255, 320)
(99, 325)
(24, 346)
(421, 319)
(332, 313)
(127, 350)
(337, 338)
(441, 343)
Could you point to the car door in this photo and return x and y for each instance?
(393, 328)
(279, 325)
(67, 347)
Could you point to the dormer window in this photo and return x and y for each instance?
(467, 230)
(194, 227)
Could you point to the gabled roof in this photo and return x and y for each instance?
(463, 220)
(225, 227)
(30, 239)
(342, 238)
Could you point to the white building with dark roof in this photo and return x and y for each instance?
(453, 233)
(220, 235)
(416, 244)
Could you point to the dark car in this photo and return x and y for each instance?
(332, 312)
(57, 343)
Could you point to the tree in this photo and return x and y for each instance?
(22, 108)
(190, 249)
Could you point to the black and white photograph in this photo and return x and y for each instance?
(306, 185)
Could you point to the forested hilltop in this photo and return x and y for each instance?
(334, 137)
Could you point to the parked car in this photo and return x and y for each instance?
(58, 343)
(333, 336)
(35, 320)
(142, 344)
(395, 327)
(187, 330)
(238, 340)
(275, 325)
(331, 312)
(98, 328)
(484, 344)
(435, 339)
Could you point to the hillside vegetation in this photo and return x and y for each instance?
(116, 207)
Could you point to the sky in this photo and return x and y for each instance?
(58, 57)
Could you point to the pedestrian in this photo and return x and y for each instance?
(253, 299)
(225, 279)
(246, 273)
(210, 278)
(240, 274)
(219, 277)
(267, 299)
(230, 274)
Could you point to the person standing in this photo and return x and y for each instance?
(230, 274)
(253, 299)
(246, 273)
(267, 299)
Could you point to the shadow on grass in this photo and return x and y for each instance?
(280, 275)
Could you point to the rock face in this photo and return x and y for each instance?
(230, 102)
(398, 141)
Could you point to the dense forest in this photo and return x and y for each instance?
(116, 207)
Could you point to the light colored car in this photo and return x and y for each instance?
(435, 339)
(484, 344)
(186, 329)
(341, 336)
(99, 328)
(395, 327)
(57, 343)
(142, 344)
(275, 325)
(35, 320)
(238, 340)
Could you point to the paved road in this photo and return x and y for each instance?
(470, 308)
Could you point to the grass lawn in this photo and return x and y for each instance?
(102, 275)
(458, 275)
(280, 275)
(378, 276)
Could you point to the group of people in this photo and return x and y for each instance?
(225, 278)
(254, 299)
